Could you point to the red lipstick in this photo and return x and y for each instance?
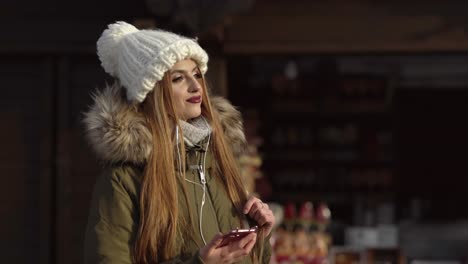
(194, 99)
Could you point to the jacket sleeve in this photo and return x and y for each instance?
(112, 221)
(193, 259)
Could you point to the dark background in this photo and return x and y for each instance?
(48, 69)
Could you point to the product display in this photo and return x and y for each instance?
(302, 238)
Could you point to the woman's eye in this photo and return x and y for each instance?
(198, 75)
(177, 79)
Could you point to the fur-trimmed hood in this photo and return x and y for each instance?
(118, 133)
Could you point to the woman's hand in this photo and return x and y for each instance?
(261, 213)
(233, 252)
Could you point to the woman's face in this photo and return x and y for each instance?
(186, 81)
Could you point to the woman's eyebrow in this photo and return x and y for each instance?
(184, 71)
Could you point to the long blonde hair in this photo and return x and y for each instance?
(159, 222)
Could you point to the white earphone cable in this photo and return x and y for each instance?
(203, 181)
(201, 171)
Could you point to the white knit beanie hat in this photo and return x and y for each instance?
(139, 58)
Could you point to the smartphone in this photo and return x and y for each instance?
(237, 234)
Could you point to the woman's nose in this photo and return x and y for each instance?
(195, 85)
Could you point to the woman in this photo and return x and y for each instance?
(171, 187)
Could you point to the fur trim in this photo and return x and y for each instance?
(231, 121)
(117, 131)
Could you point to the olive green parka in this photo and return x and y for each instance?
(119, 136)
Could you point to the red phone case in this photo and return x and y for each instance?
(236, 234)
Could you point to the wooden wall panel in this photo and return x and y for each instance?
(340, 27)
(26, 138)
(77, 167)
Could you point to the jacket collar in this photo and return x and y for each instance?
(117, 131)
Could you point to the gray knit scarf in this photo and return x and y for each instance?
(195, 130)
